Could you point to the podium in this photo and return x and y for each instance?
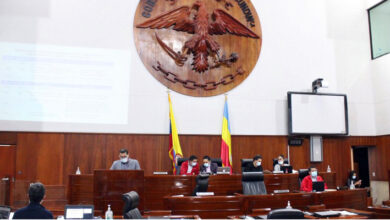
(110, 185)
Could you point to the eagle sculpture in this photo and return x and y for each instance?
(201, 44)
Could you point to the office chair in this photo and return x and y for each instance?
(302, 173)
(4, 212)
(217, 161)
(285, 214)
(275, 161)
(244, 163)
(130, 210)
(179, 162)
(253, 183)
(202, 183)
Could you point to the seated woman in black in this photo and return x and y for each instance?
(255, 166)
(353, 178)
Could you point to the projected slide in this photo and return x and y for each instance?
(46, 83)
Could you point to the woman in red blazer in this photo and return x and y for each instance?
(307, 182)
(193, 164)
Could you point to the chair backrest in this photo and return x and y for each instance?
(130, 209)
(302, 173)
(179, 162)
(285, 214)
(217, 161)
(253, 183)
(4, 212)
(244, 163)
(202, 183)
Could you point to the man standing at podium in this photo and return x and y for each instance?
(124, 162)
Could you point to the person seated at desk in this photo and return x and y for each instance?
(208, 166)
(255, 166)
(124, 162)
(278, 166)
(34, 210)
(307, 182)
(353, 178)
(190, 167)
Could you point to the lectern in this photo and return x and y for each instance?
(109, 185)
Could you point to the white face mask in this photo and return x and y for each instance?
(280, 162)
(124, 160)
(314, 174)
(258, 164)
(353, 177)
(193, 164)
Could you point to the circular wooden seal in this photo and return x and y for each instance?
(198, 47)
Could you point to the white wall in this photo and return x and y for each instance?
(302, 40)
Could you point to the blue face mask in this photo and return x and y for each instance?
(314, 174)
(258, 164)
(353, 177)
(206, 165)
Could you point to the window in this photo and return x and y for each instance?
(379, 21)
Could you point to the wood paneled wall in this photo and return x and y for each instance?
(51, 157)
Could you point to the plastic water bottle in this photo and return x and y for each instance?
(352, 186)
(109, 214)
(328, 170)
(78, 172)
(288, 205)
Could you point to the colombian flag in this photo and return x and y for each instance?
(226, 145)
(174, 143)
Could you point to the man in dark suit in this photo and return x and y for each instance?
(208, 166)
(190, 167)
(34, 210)
(255, 166)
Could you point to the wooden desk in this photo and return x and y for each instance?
(380, 212)
(223, 206)
(216, 207)
(361, 214)
(81, 187)
(110, 185)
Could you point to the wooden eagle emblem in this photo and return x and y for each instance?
(198, 47)
(201, 44)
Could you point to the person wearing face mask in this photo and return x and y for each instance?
(255, 166)
(208, 166)
(34, 210)
(352, 178)
(124, 162)
(190, 167)
(280, 163)
(307, 182)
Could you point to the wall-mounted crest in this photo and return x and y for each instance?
(198, 47)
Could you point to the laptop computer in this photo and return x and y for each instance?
(223, 170)
(318, 186)
(79, 211)
(286, 169)
(5, 212)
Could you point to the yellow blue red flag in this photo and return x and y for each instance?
(174, 142)
(226, 145)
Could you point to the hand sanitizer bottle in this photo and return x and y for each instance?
(288, 205)
(109, 214)
(328, 170)
(78, 172)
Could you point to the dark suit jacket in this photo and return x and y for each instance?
(251, 168)
(33, 211)
(184, 168)
(213, 168)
